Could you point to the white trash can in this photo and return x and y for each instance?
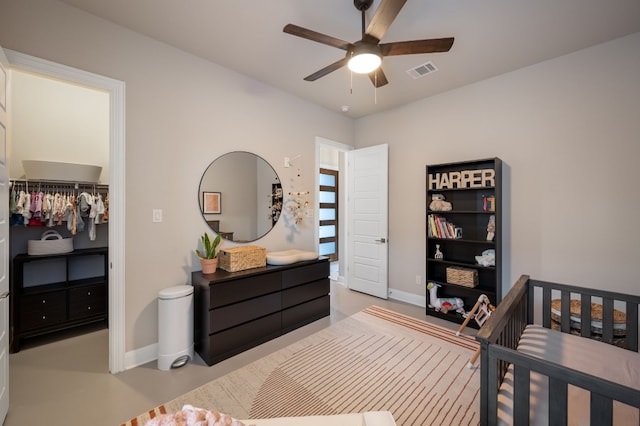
(175, 326)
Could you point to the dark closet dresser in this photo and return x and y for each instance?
(72, 292)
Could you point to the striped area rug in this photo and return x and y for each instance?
(374, 360)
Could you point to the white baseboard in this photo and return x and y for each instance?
(140, 356)
(149, 353)
(403, 296)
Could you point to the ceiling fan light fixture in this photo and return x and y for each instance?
(365, 59)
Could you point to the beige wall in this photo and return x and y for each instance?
(568, 131)
(57, 121)
(181, 113)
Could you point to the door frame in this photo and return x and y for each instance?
(116, 90)
(342, 207)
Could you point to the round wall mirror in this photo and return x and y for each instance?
(240, 196)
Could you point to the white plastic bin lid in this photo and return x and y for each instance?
(175, 292)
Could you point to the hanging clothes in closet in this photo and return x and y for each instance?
(79, 207)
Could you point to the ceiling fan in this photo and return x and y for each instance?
(365, 56)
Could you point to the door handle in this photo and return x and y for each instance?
(381, 240)
(4, 295)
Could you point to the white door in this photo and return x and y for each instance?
(4, 242)
(367, 216)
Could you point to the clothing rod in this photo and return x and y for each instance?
(76, 185)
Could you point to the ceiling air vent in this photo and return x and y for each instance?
(422, 70)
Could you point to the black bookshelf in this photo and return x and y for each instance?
(474, 191)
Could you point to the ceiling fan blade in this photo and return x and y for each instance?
(378, 78)
(316, 36)
(382, 19)
(416, 46)
(328, 69)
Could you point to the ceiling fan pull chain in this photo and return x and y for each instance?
(351, 83)
(351, 79)
(375, 89)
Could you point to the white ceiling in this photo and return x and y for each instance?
(492, 37)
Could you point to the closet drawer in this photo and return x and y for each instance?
(87, 301)
(42, 310)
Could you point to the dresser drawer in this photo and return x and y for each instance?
(42, 310)
(238, 313)
(87, 301)
(303, 293)
(231, 342)
(229, 292)
(305, 274)
(305, 313)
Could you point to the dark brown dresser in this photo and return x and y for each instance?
(235, 311)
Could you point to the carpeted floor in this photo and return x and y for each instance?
(374, 360)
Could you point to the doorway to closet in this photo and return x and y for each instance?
(114, 91)
(55, 128)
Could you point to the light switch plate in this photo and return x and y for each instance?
(157, 215)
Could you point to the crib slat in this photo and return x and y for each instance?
(601, 410)
(521, 390)
(585, 315)
(632, 326)
(546, 307)
(557, 401)
(565, 312)
(607, 320)
(490, 395)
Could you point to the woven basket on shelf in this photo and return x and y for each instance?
(462, 276)
(240, 258)
(51, 242)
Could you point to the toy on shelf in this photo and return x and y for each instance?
(438, 204)
(439, 255)
(488, 258)
(491, 228)
(444, 304)
(480, 312)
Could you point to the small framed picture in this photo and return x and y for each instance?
(458, 232)
(211, 203)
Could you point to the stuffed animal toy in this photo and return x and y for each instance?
(444, 304)
(488, 258)
(438, 204)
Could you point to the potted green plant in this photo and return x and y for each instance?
(209, 256)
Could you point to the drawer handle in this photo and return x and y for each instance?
(89, 307)
(44, 301)
(44, 317)
(88, 293)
